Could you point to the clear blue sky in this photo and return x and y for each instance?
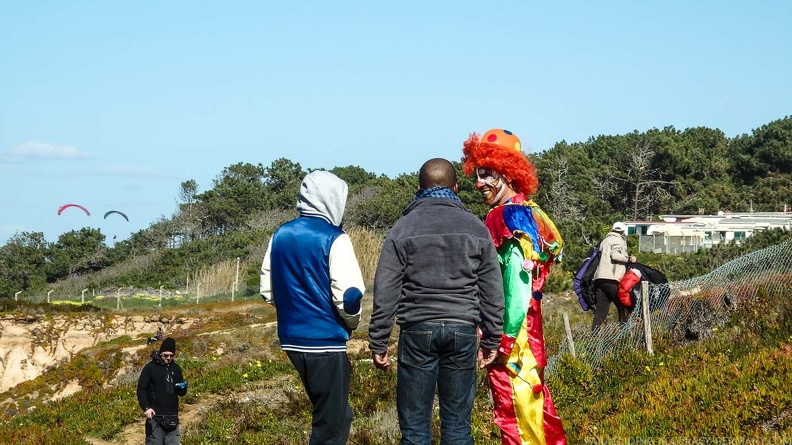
(113, 104)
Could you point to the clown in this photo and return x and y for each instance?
(528, 244)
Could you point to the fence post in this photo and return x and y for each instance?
(570, 340)
(118, 298)
(198, 293)
(160, 303)
(236, 281)
(48, 295)
(16, 295)
(82, 296)
(646, 320)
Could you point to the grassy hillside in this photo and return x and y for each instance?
(734, 385)
(243, 389)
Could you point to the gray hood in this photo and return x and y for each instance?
(323, 194)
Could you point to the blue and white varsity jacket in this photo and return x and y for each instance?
(310, 272)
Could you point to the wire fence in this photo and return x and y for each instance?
(210, 283)
(126, 298)
(688, 310)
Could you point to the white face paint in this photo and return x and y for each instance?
(491, 185)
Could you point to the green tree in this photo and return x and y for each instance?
(773, 146)
(697, 162)
(468, 193)
(188, 214)
(282, 181)
(22, 263)
(238, 192)
(378, 206)
(77, 252)
(767, 150)
(772, 193)
(563, 172)
(356, 177)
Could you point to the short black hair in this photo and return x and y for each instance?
(437, 172)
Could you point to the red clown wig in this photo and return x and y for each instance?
(500, 151)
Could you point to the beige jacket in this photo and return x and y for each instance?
(613, 259)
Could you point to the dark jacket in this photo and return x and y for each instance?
(156, 387)
(438, 262)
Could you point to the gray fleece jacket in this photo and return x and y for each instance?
(438, 262)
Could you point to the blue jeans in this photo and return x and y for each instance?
(436, 355)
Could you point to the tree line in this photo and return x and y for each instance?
(584, 186)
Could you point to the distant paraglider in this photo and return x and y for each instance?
(66, 206)
(116, 211)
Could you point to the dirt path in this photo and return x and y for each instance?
(271, 391)
(134, 434)
(131, 435)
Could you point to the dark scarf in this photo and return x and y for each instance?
(436, 192)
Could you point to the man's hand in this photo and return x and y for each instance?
(633, 259)
(381, 361)
(149, 413)
(486, 357)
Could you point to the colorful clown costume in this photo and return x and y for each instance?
(528, 244)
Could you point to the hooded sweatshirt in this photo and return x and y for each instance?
(310, 272)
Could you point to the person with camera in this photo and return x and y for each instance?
(158, 390)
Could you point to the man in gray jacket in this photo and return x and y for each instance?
(438, 275)
(611, 269)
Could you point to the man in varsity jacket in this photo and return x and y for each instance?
(311, 275)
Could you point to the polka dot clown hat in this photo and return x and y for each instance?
(503, 138)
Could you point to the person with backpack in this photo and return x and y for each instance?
(612, 267)
(583, 280)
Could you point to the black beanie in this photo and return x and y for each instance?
(169, 345)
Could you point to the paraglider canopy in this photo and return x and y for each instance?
(116, 211)
(66, 206)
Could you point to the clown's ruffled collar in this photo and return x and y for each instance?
(516, 199)
(507, 220)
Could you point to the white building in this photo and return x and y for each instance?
(688, 233)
